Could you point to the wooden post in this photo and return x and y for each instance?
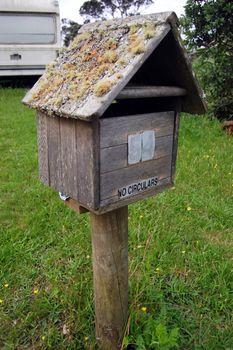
(110, 268)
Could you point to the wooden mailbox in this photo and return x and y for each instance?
(108, 111)
(108, 119)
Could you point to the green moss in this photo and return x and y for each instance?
(110, 56)
(103, 87)
(122, 61)
(62, 50)
(138, 49)
(101, 69)
(149, 31)
(78, 39)
(85, 67)
(111, 44)
(134, 28)
(119, 76)
(51, 65)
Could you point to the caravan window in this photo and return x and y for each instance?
(27, 29)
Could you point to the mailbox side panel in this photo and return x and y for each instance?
(68, 157)
(175, 143)
(117, 174)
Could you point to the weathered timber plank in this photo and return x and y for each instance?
(87, 163)
(115, 131)
(74, 205)
(54, 153)
(68, 157)
(110, 270)
(113, 158)
(150, 91)
(175, 143)
(109, 204)
(42, 141)
(112, 181)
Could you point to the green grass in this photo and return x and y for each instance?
(180, 260)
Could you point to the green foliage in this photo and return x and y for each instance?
(92, 8)
(208, 26)
(69, 30)
(180, 248)
(113, 8)
(149, 334)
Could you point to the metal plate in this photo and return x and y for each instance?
(134, 148)
(148, 145)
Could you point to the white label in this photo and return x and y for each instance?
(148, 145)
(134, 148)
(137, 187)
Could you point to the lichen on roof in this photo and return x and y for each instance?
(93, 64)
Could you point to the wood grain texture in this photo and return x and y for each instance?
(114, 158)
(175, 143)
(87, 163)
(54, 147)
(110, 269)
(112, 181)
(42, 142)
(74, 205)
(68, 157)
(115, 131)
(150, 91)
(114, 202)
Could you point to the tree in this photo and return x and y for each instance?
(69, 30)
(113, 8)
(207, 26)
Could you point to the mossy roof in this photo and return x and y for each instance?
(87, 76)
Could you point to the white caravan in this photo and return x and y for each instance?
(29, 36)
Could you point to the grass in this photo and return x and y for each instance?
(180, 248)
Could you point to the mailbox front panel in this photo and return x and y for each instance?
(135, 156)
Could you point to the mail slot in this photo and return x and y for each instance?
(108, 111)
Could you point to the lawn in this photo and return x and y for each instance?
(180, 249)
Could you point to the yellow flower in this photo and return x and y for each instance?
(157, 269)
(183, 252)
(139, 246)
(86, 338)
(189, 208)
(143, 309)
(141, 216)
(88, 256)
(1, 301)
(35, 291)
(43, 337)
(6, 285)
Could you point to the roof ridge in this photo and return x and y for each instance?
(159, 18)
